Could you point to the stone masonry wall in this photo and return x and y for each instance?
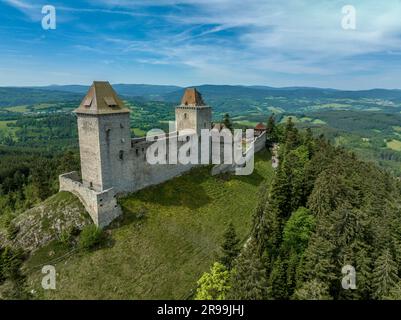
(101, 206)
(137, 174)
(258, 144)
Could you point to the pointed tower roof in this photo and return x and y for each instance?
(260, 126)
(192, 98)
(101, 99)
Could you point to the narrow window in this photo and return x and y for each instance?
(121, 155)
(137, 152)
(185, 116)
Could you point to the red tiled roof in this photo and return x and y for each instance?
(260, 126)
(192, 98)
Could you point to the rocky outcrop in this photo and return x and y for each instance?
(61, 213)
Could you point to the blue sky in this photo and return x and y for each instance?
(193, 42)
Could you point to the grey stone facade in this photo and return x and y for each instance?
(196, 118)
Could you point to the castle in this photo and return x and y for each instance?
(113, 163)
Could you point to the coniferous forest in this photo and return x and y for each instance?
(324, 210)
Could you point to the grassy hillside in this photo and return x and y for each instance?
(169, 235)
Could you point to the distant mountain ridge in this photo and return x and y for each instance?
(213, 94)
(171, 93)
(131, 90)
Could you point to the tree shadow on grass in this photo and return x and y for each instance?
(254, 179)
(131, 216)
(186, 190)
(183, 191)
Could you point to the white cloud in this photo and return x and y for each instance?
(31, 10)
(265, 38)
(291, 37)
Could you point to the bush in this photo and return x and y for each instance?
(66, 237)
(213, 285)
(91, 236)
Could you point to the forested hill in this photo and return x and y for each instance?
(292, 98)
(325, 209)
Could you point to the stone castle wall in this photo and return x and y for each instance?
(137, 174)
(258, 144)
(144, 174)
(101, 206)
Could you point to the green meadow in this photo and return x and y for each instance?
(394, 145)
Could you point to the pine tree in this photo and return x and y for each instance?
(395, 293)
(312, 290)
(308, 141)
(288, 190)
(385, 275)
(330, 190)
(318, 261)
(297, 161)
(291, 137)
(358, 256)
(230, 247)
(258, 215)
(278, 280)
(248, 278)
(41, 177)
(292, 263)
(271, 129)
(281, 188)
(269, 234)
(364, 275)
